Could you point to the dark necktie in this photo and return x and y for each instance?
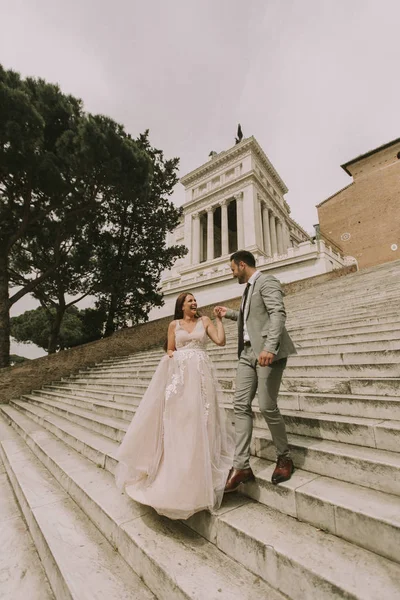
(241, 320)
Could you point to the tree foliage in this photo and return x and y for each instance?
(78, 327)
(84, 209)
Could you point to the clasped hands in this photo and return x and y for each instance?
(264, 358)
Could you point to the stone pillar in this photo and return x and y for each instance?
(266, 233)
(239, 218)
(224, 229)
(279, 236)
(196, 239)
(286, 236)
(272, 231)
(210, 233)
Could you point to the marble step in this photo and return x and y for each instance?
(172, 560)
(360, 431)
(300, 560)
(295, 572)
(371, 386)
(368, 467)
(70, 390)
(94, 446)
(351, 405)
(351, 365)
(113, 428)
(21, 571)
(373, 407)
(330, 321)
(78, 560)
(384, 387)
(362, 516)
(121, 410)
(342, 325)
(385, 332)
(373, 433)
(308, 349)
(350, 344)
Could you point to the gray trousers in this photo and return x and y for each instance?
(268, 380)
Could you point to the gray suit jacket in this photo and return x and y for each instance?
(266, 318)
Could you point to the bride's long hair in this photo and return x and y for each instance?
(178, 314)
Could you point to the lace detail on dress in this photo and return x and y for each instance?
(192, 347)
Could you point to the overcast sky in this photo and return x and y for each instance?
(315, 81)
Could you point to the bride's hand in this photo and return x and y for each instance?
(220, 311)
(170, 353)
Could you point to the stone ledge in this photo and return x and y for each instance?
(21, 379)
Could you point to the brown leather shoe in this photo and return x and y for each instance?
(283, 470)
(238, 476)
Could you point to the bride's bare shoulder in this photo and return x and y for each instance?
(172, 325)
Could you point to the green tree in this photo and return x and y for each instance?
(84, 209)
(98, 157)
(34, 118)
(78, 327)
(132, 251)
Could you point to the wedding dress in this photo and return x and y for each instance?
(178, 450)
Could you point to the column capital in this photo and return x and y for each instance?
(223, 202)
(238, 196)
(195, 215)
(210, 209)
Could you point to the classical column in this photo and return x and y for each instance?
(210, 233)
(272, 231)
(196, 239)
(279, 236)
(239, 220)
(266, 234)
(224, 228)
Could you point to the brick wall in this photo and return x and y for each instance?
(23, 378)
(368, 210)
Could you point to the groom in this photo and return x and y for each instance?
(264, 345)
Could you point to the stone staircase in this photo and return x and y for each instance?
(332, 531)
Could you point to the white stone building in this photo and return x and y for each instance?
(236, 201)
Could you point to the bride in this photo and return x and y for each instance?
(177, 453)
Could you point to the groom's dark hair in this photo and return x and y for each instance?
(244, 256)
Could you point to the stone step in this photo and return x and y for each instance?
(121, 410)
(317, 323)
(78, 560)
(172, 560)
(69, 390)
(368, 467)
(348, 347)
(230, 531)
(383, 434)
(94, 446)
(362, 516)
(300, 560)
(350, 365)
(372, 407)
(370, 341)
(22, 574)
(111, 427)
(357, 332)
(371, 386)
(360, 431)
(304, 385)
(342, 325)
